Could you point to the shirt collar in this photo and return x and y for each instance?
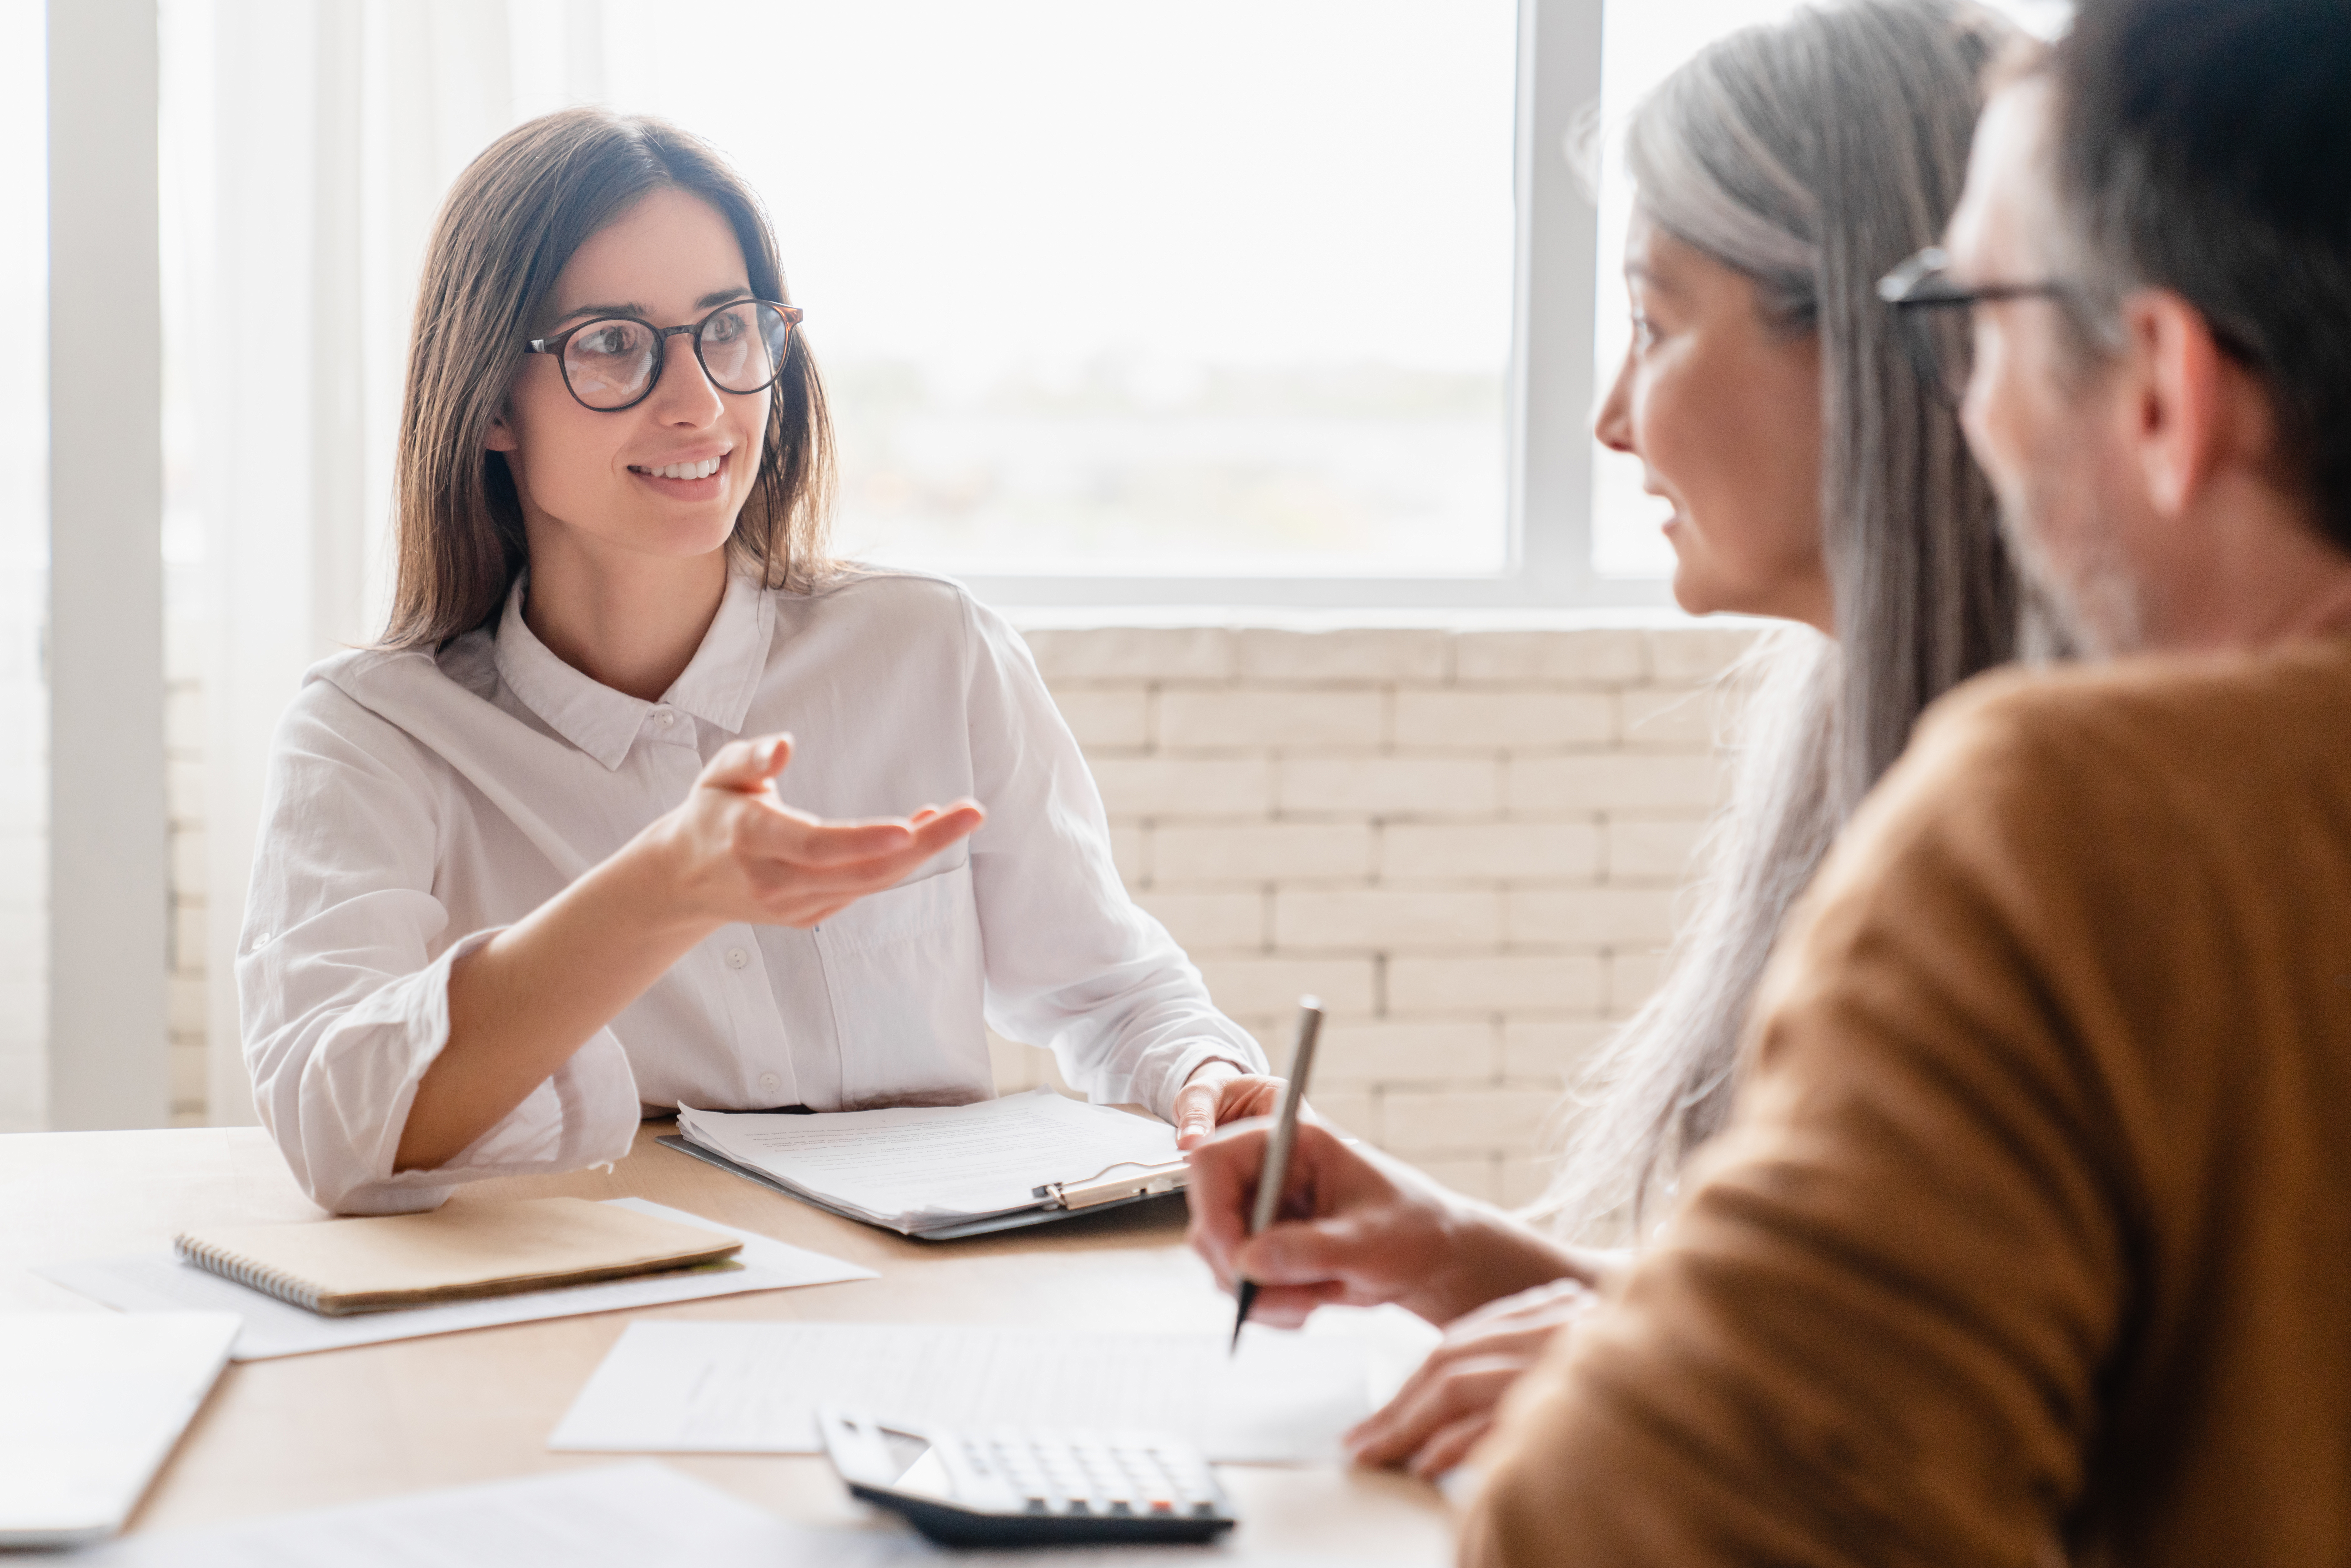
(718, 686)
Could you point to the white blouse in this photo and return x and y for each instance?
(417, 804)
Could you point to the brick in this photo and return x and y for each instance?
(184, 790)
(1183, 787)
(1379, 785)
(1106, 719)
(1512, 1121)
(188, 934)
(1661, 851)
(1132, 652)
(1387, 919)
(1524, 1178)
(1612, 782)
(1359, 654)
(1353, 1112)
(1663, 719)
(1462, 720)
(1495, 983)
(1269, 987)
(188, 992)
(1379, 1051)
(184, 720)
(1596, 657)
(1479, 1177)
(1260, 851)
(1633, 978)
(1619, 917)
(1210, 921)
(1687, 656)
(186, 1060)
(1551, 1050)
(1267, 720)
(188, 868)
(1495, 851)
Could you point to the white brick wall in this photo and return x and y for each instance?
(1469, 843)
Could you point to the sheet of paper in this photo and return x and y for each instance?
(953, 1159)
(159, 1281)
(96, 1401)
(642, 1515)
(755, 1388)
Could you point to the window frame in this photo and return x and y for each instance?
(1551, 392)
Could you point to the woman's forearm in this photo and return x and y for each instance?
(524, 1002)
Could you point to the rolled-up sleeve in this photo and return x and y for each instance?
(342, 977)
(1071, 962)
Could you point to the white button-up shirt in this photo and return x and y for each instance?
(417, 804)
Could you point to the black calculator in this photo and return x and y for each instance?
(1008, 1487)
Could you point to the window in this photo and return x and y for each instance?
(1214, 291)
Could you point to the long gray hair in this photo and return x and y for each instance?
(1811, 155)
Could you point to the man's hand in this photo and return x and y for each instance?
(1442, 1410)
(1218, 1092)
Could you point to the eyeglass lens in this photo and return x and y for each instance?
(612, 363)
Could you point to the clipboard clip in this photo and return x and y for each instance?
(1137, 1180)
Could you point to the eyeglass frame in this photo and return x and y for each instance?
(1921, 284)
(793, 314)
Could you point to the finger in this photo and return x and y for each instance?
(1195, 1112)
(944, 828)
(776, 832)
(1248, 1094)
(1449, 1446)
(1411, 1419)
(745, 766)
(1289, 1306)
(1302, 1251)
(1219, 1176)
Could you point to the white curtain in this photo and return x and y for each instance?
(335, 126)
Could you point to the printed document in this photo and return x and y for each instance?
(919, 1168)
(708, 1388)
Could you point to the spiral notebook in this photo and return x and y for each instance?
(463, 1252)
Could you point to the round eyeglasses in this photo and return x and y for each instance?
(1938, 317)
(613, 363)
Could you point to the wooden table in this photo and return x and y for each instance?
(346, 1425)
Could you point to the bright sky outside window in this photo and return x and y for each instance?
(1217, 289)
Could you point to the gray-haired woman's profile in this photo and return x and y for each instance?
(1809, 155)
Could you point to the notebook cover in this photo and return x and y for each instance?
(457, 1253)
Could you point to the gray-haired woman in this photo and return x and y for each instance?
(1815, 476)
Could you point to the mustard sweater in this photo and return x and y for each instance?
(2030, 1237)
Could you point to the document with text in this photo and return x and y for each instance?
(755, 1388)
(928, 1169)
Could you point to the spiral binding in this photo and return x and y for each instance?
(228, 1266)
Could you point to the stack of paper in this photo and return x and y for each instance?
(934, 1172)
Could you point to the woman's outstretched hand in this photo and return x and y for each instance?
(734, 852)
(1442, 1410)
(1218, 1092)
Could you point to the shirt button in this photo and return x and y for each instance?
(664, 717)
(770, 1081)
(737, 957)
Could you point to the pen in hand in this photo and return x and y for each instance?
(1277, 1147)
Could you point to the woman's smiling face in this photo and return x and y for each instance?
(1723, 410)
(641, 481)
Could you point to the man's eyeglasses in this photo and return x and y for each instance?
(1936, 316)
(614, 362)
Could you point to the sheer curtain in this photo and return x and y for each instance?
(312, 140)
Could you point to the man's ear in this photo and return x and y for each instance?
(2183, 426)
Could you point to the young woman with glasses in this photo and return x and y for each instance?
(1816, 475)
(642, 800)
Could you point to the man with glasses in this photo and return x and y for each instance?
(2032, 1237)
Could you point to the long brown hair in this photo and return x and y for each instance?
(509, 225)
